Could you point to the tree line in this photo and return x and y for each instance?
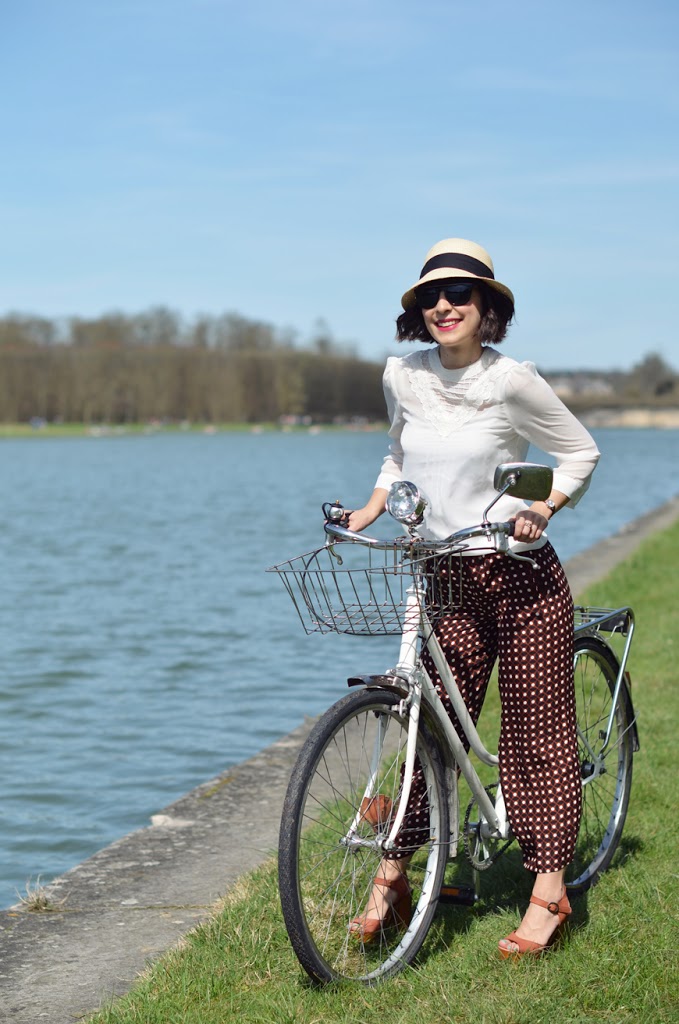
(152, 366)
(120, 368)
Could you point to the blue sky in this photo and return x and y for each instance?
(295, 161)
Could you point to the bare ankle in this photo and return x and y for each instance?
(393, 869)
(549, 885)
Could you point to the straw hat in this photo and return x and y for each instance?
(456, 257)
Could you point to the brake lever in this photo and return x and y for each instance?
(505, 548)
(521, 558)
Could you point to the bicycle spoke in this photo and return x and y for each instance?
(330, 853)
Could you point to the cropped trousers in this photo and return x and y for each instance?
(523, 617)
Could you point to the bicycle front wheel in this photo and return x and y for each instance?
(343, 795)
(605, 767)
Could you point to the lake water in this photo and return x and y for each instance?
(144, 649)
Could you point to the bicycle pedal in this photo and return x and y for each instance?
(458, 895)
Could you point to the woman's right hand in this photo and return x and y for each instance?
(359, 518)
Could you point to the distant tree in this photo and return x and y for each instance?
(238, 334)
(157, 326)
(199, 335)
(652, 376)
(323, 342)
(17, 330)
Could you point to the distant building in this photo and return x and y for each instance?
(580, 385)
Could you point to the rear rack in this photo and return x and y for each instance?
(589, 621)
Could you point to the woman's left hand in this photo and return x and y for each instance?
(529, 526)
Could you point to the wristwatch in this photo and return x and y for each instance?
(550, 505)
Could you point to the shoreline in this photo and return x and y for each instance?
(138, 897)
(637, 418)
(631, 418)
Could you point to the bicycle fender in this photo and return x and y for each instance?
(627, 697)
(382, 682)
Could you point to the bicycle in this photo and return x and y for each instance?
(349, 788)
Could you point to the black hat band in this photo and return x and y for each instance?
(457, 261)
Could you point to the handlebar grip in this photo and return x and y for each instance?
(342, 533)
(508, 527)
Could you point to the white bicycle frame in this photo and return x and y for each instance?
(494, 823)
(409, 668)
(411, 676)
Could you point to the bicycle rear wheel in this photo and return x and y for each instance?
(606, 773)
(329, 848)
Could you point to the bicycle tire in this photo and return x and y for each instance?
(325, 878)
(607, 778)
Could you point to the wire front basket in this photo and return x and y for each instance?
(352, 588)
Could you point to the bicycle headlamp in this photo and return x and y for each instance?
(406, 503)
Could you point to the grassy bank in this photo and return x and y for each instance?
(51, 430)
(618, 963)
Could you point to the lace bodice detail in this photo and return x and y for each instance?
(451, 397)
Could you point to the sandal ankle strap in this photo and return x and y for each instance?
(554, 907)
(393, 883)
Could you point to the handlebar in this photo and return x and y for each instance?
(500, 531)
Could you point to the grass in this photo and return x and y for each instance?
(51, 430)
(617, 964)
(36, 898)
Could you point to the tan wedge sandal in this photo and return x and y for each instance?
(562, 909)
(368, 929)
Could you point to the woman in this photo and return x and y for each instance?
(457, 410)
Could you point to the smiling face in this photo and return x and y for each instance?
(456, 327)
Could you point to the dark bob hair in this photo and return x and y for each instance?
(497, 315)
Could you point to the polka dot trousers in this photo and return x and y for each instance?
(524, 616)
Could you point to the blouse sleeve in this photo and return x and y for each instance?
(391, 467)
(537, 414)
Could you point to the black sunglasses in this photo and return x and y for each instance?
(457, 293)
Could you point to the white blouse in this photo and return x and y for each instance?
(451, 428)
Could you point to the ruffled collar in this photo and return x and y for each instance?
(487, 358)
(450, 398)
